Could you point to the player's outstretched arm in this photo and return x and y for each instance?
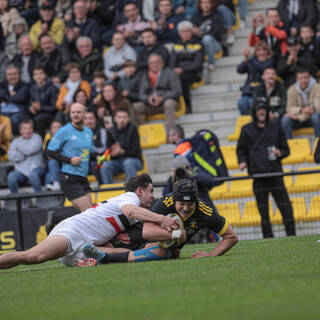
(145, 215)
(229, 239)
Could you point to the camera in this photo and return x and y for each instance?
(182, 173)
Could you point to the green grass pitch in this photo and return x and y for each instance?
(263, 279)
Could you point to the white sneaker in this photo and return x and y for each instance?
(49, 187)
(242, 24)
(56, 186)
(230, 39)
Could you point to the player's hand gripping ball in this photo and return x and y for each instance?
(175, 234)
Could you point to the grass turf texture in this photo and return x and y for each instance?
(263, 279)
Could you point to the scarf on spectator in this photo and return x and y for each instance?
(72, 88)
(294, 6)
(304, 93)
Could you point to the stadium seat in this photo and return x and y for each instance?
(160, 116)
(299, 150)
(216, 56)
(306, 182)
(47, 137)
(310, 157)
(217, 192)
(230, 211)
(314, 211)
(303, 132)
(230, 156)
(105, 195)
(236, 26)
(239, 188)
(91, 178)
(241, 121)
(198, 84)
(299, 211)
(122, 176)
(251, 216)
(288, 181)
(152, 135)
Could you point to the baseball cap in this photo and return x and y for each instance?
(46, 5)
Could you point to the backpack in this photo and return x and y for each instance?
(207, 154)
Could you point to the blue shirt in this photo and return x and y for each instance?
(72, 142)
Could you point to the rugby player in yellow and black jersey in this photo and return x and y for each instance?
(195, 214)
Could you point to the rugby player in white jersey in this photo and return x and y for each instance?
(96, 225)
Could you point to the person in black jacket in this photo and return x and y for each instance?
(125, 150)
(261, 147)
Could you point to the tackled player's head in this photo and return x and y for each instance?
(185, 195)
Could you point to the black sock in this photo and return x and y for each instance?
(115, 257)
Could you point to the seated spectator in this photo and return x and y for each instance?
(227, 11)
(310, 48)
(113, 100)
(63, 10)
(26, 60)
(68, 89)
(116, 56)
(53, 58)
(132, 29)
(53, 166)
(89, 59)
(289, 63)
(243, 12)
(103, 117)
(129, 85)
(253, 66)
(272, 93)
(303, 104)
(43, 97)
(275, 33)
(14, 97)
(167, 23)
(187, 8)
(296, 13)
(209, 27)
(120, 15)
(99, 142)
(26, 154)
(5, 135)
(4, 61)
(159, 92)
(125, 150)
(8, 15)
(186, 59)
(48, 23)
(97, 84)
(81, 96)
(150, 45)
(81, 25)
(19, 29)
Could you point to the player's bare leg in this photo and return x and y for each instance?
(82, 203)
(51, 248)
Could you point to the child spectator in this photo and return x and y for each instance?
(68, 89)
(129, 85)
(209, 27)
(43, 97)
(5, 135)
(53, 166)
(253, 66)
(97, 84)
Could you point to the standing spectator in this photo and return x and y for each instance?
(100, 137)
(135, 25)
(48, 23)
(261, 147)
(26, 154)
(43, 96)
(272, 93)
(53, 165)
(68, 89)
(186, 59)
(295, 13)
(81, 25)
(274, 32)
(253, 66)
(124, 143)
(26, 60)
(209, 27)
(72, 146)
(54, 58)
(150, 46)
(89, 59)
(159, 92)
(19, 29)
(303, 104)
(14, 94)
(116, 56)
(188, 8)
(5, 135)
(167, 23)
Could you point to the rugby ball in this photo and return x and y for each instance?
(172, 242)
